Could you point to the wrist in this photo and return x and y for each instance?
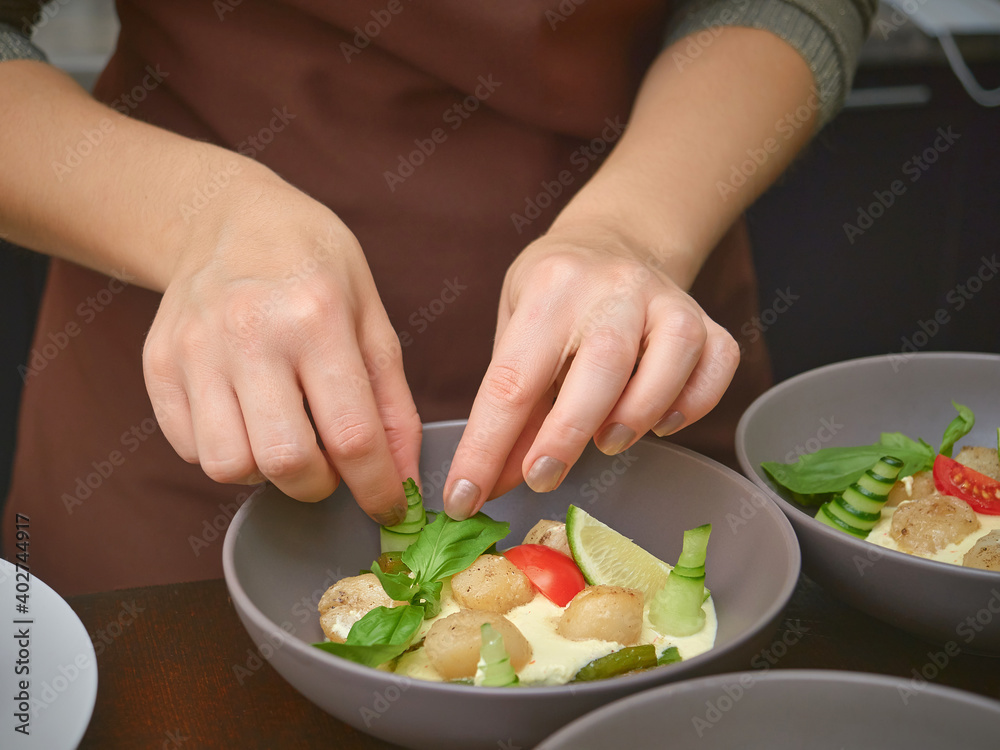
(614, 216)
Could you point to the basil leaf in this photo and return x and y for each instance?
(958, 428)
(429, 597)
(379, 636)
(446, 546)
(835, 469)
(398, 586)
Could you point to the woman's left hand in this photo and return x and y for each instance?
(594, 339)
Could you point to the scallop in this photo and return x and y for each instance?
(930, 524)
(550, 534)
(607, 613)
(916, 487)
(452, 644)
(347, 601)
(492, 584)
(984, 460)
(985, 554)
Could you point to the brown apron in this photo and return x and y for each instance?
(436, 132)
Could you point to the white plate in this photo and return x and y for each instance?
(52, 673)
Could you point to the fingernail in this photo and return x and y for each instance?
(391, 517)
(545, 473)
(669, 424)
(461, 500)
(613, 438)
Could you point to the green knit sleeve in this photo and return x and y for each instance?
(827, 33)
(17, 21)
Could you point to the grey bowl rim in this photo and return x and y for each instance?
(842, 678)
(260, 620)
(861, 546)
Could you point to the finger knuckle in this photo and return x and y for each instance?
(609, 347)
(228, 470)
(508, 385)
(283, 461)
(729, 354)
(688, 327)
(564, 430)
(353, 439)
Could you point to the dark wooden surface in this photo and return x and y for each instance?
(177, 670)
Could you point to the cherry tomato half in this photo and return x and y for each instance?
(550, 571)
(978, 490)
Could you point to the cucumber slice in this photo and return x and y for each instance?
(858, 508)
(495, 669)
(677, 607)
(619, 662)
(397, 538)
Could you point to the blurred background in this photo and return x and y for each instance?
(847, 267)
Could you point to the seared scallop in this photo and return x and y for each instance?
(550, 534)
(930, 524)
(452, 644)
(985, 554)
(915, 487)
(347, 601)
(607, 613)
(491, 584)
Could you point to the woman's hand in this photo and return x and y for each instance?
(270, 323)
(594, 321)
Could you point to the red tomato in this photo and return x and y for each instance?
(978, 490)
(551, 572)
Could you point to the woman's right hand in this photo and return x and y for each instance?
(270, 324)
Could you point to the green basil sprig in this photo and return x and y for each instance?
(815, 476)
(443, 548)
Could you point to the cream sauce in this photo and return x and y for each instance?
(555, 659)
(953, 553)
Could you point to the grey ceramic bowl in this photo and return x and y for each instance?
(788, 708)
(850, 403)
(280, 555)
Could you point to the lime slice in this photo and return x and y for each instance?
(609, 558)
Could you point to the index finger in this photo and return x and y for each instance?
(523, 367)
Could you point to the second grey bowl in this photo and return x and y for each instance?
(850, 403)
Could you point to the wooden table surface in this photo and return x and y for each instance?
(177, 670)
